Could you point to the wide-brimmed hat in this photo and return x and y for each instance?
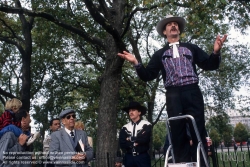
(135, 105)
(170, 18)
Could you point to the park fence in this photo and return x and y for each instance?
(221, 156)
(105, 158)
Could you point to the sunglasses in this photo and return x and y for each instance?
(69, 116)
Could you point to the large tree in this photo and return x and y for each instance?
(100, 29)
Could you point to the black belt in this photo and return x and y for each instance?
(183, 87)
(136, 153)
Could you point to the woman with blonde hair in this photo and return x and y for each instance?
(80, 126)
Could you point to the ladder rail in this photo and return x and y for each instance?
(199, 146)
(167, 154)
(170, 141)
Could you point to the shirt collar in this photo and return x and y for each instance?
(172, 45)
(68, 131)
(136, 122)
(10, 111)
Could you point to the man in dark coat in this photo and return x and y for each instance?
(135, 137)
(177, 62)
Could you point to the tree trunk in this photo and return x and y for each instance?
(110, 85)
(26, 81)
(26, 58)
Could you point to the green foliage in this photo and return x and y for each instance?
(240, 132)
(219, 128)
(214, 135)
(69, 63)
(37, 146)
(227, 136)
(159, 135)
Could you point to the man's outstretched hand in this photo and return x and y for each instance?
(128, 56)
(219, 43)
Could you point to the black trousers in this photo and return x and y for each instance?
(185, 100)
(142, 160)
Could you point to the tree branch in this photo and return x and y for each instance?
(103, 22)
(103, 7)
(84, 53)
(12, 31)
(159, 115)
(6, 94)
(137, 9)
(132, 15)
(5, 39)
(51, 18)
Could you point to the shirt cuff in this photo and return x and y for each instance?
(216, 53)
(138, 65)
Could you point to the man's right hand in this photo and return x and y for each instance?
(128, 56)
(22, 139)
(78, 157)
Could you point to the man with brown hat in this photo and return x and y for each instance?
(135, 136)
(177, 62)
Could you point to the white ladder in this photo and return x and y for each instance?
(199, 147)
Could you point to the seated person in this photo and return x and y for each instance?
(10, 144)
(8, 122)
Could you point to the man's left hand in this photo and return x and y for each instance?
(218, 43)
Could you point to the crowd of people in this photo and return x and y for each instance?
(70, 145)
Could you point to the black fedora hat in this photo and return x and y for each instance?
(135, 105)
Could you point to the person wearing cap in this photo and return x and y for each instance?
(69, 147)
(177, 62)
(134, 137)
(118, 162)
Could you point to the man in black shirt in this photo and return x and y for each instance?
(135, 137)
(177, 62)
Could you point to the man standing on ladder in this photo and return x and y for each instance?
(177, 61)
